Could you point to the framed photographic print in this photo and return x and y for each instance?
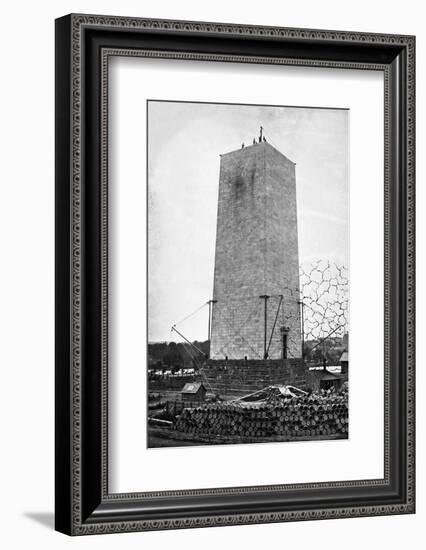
(234, 211)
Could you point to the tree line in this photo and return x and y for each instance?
(180, 355)
(177, 355)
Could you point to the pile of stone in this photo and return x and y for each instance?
(323, 414)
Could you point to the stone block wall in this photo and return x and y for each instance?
(256, 254)
(236, 378)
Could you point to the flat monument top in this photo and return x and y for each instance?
(252, 147)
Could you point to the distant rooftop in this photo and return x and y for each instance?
(192, 387)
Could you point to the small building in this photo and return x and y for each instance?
(344, 362)
(330, 380)
(193, 391)
(323, 379)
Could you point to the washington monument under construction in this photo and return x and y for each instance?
(255, 306)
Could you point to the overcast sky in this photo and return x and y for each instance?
(184, 142)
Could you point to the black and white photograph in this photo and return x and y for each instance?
(248, 318)
(209, 306)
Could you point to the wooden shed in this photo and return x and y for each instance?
(328, 380)
(323, 379)
(193, 391)
(344, 362)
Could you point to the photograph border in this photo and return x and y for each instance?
(233, 104)
(84, 44)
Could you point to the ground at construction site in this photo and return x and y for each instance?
(273, 414)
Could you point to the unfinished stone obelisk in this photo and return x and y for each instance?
(256, 277)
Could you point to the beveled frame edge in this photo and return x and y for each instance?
(107, 53)
(69, 516)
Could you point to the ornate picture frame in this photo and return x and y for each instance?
(84, 44)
